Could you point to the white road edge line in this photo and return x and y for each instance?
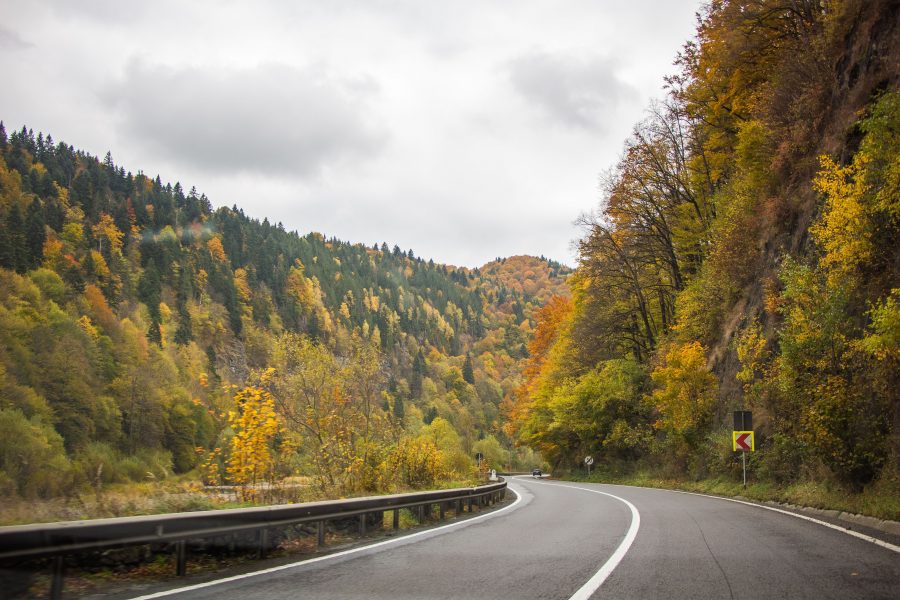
(310, 561)
(594, 583)
(855, 534)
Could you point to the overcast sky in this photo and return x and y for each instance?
(463, 130)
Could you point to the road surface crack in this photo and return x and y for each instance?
(708, 549)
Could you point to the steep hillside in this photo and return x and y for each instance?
(745, 256)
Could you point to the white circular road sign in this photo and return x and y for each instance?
(589, 460)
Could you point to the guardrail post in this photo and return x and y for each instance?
(181, 558)
(59, 574)
(320, 538)
(396, 518)
(362, 524)
(441, 510)
(263, 537)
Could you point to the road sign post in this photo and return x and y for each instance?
(742, 437)
(588, 461)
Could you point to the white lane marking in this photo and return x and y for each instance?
(855, 534)
(594, 583)
(310, 561)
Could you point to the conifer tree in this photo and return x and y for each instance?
(468, 371)
(35, 234)
(184, 333)
(14, 255)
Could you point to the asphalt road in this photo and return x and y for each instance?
(561, 540)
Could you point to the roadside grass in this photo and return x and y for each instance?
(880, 500)
(168, 496)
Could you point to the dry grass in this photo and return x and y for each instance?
(159, 497)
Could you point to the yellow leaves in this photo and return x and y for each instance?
(201, 278)
(242, 286)
(751, 351)
(301, 288)
(685, 391)
(101, 269)
(53, 251)
(87, 326)
(216, 249)
(210, 468)
(883, 339)
(106, 229)
(255, 425)
(842, 230)
(72, 234)
(267, 375)
(414, 462)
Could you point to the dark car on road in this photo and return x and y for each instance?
(536, 473)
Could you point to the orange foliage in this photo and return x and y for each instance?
(100, 310)
(551, 320)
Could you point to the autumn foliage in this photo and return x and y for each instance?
(744, 255)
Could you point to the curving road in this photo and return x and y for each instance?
(561, 540)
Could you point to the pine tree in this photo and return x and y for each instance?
(14, 254)
(35, 234)
(419, 366)
(468, 371)
(184, 333)
(399, 411)
(149, 291)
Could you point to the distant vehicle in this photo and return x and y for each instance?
(536, 473)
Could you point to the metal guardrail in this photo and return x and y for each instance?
(57, 540)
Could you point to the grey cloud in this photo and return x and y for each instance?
(577, 92)
(271, 119)
(11, 40)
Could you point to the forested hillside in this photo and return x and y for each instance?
(745, 256)
(145, 334)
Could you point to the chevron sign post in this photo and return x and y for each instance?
(743, 441)
(742, 437)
